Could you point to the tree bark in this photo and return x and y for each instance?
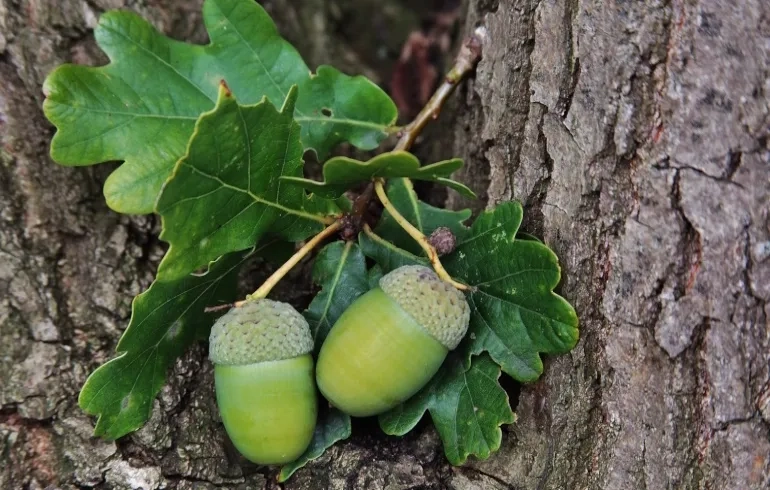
(636, 135)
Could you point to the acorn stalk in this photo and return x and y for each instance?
(391, 341)
(265, 386)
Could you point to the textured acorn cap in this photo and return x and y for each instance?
(260, 330)
(435, 304)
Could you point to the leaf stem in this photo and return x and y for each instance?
(279, 274)
(419, 237)
(466, 61)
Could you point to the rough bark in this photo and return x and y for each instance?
(636, 133)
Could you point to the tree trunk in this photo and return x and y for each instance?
(636, 134)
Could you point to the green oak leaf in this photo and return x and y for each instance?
(342, 173)
(226, 192)
(142, 107)
(424, 217)
(332, 426)
(166, 319)
(467, 406)
(340, 270)
(515, 316)
(297, 227)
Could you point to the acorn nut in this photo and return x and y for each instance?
(391, 341)
(263, 373)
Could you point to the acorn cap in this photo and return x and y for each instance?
(435, 304)
(257, 331)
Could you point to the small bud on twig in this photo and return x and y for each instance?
(443, 240)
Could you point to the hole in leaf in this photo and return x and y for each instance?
(512, 388)
(327, 112)
(313, 169)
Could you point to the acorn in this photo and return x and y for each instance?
(263, 373)
(391, 341)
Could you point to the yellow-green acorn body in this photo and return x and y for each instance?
(263, 372)
(391, 341)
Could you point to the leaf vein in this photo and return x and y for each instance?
(344, 121)
(96, 136)
(256, 56)
(484, 233)
(253, 196)
(337, 274)
(125, 113)
(475, 417)
(518, 305)
(512, 274)
(162, 61)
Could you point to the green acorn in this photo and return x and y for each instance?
(263, 372)
(391, 341)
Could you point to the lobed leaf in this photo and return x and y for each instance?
(166, 319)
(467, 406)
(515, 316)
(226, 192)
(342, 173)
(142, 107)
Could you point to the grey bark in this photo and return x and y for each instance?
(636, 134)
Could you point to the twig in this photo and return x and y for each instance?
(351, 222)
(214, 309)
(361, 204)
(276, 276)
(279, 274)
(418, 236)
(466, 61)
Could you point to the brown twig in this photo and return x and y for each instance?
(214, 309)
(276, 276)
(279, 274)
(351, 222)
(361, 204)
(466, 62)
